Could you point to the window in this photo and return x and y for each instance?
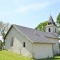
(49, 23)
(49, 30)
(12, 42)
(55, 29)
(23, 44)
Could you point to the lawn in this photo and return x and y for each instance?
(6, 55)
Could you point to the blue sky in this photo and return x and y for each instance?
(28, 13)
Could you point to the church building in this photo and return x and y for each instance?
(33, 43)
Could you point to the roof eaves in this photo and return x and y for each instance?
(51, 37)
(43, 43)
(8, 32)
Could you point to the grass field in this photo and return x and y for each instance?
(6, 55)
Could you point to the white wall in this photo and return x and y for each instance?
(31, 50)
(52, 27)
(18, 43)
(42, 50)
(55, 46)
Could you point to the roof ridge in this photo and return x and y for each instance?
(22, 26)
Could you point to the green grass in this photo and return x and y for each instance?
(54, 58)
(7, 55)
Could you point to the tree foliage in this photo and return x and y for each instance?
(58, 23)
(58, 19)
(41, 26)
(3, 28)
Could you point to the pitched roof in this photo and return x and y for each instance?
(34, 35)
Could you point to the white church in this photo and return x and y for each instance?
(33, 43)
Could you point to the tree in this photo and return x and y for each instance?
(58, 23)
(58, 19)
(4, 28)
(41, 26)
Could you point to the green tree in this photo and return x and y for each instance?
(41, 26)
(58, 19)
(58, 23)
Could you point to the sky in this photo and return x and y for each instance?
(28, 13)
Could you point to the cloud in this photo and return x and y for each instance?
(24, 9)
(32, 7)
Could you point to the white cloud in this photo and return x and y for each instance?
(32, 7)
(26, 8)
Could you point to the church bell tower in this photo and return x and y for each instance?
(51, 26)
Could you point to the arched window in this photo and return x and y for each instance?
(49, 30)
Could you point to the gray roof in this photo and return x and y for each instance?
(35, 35)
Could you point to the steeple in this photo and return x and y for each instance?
(51, 21)
(51, 26)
